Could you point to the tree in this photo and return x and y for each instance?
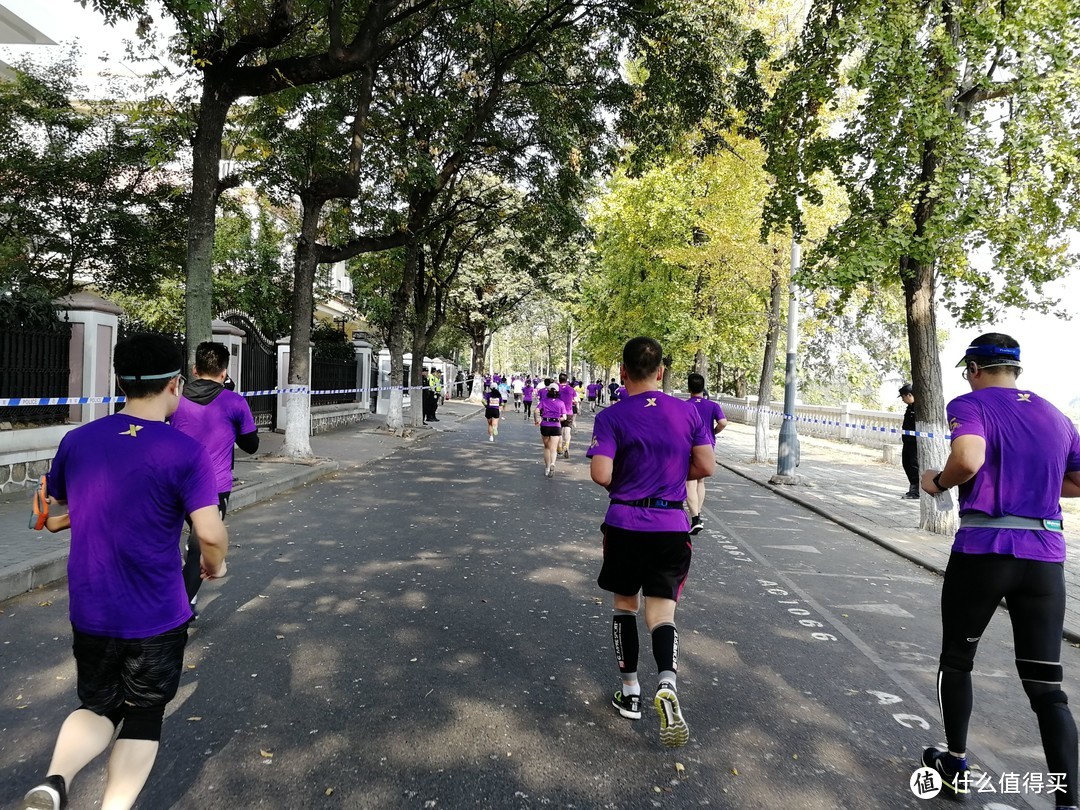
(951, 131)
(81, 201)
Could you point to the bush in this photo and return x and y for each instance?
(328, 343)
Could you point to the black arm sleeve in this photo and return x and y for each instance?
(248, 442)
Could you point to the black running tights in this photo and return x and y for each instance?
(1034, 593)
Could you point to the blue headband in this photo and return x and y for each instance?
(1007, 356)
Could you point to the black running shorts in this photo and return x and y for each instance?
(654, 563)
(550, 430)
(143, 672)
(491, 413)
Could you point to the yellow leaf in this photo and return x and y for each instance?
(656, 789)
(280, 637)
(194, 719)
(267, 754)
(680, 769)
(46, 603)
(734, 771)
(329, 792)
(191, 666)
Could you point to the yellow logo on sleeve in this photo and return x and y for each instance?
(954, 423)
(594, 443)
(133, 430)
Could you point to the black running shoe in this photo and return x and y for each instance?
(629, 706)
(49, 795)
(696, 525)
(955, 781)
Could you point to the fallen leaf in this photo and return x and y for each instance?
(191, 666)
(280, 637)
(734, 771)
(329, 792)
(656, 789)
(264, 753)
(194, 719)
(794, 756)
(680, 769)
(46, 603)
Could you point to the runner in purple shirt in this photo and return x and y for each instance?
(550, 415)
(128, 481)
(218, 418)
(591, 392)
(569, 396)
(527, 396)
(712, 416)
(644, 449)
(1013, 455)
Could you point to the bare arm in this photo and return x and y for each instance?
(966, 458)
(719, 425)
(600, 469)
(702, 462)
(213, 540)
(1070, 487)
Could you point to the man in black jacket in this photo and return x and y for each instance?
(910, 454)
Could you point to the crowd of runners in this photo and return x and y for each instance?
(1013, 456)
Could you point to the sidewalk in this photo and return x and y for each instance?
(30, 559)
(852, 486)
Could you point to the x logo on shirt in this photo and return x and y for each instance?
(1022, 397)
(650, 402)
(133, 430)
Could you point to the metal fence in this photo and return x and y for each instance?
(332, 375)
(35, 363)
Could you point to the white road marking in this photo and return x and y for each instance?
(804, 549)
(882, 609)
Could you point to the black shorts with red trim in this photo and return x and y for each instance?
(142, 672)
(653, 563)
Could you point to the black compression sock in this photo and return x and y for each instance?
(625, 638)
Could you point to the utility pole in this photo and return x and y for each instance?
(787, 456)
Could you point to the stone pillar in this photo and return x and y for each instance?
(363, 371)
(283, 380)
(94, 326)
(233, 338)
(382, 404)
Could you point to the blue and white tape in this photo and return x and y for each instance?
(28, 402)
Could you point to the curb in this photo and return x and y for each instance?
(1070, 634)
(39, 573)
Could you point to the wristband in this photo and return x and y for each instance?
(937, 482)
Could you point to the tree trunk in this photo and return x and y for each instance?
(918, 280)
(298, 406)
(202, 213)
(740, 383)
(768, 367)
(701, 363)
(479, 346)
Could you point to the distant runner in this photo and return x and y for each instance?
(493, 401)
(712, 416)
(550, 414)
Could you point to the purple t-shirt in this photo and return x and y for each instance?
(649, 436)
(129, 483)
(527, 392)
(1030, 445)
(710, 412)
(216, 424)
(551, 411)
(591, 389)
(567, 394)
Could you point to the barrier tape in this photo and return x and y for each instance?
(920, 434)
(24, 402)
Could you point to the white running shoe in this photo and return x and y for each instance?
(550, 471)
(491, 438)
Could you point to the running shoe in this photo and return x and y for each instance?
(955, 775)
(49, 795)
(629, 706)
(491, 438)
(550, 473)
(566, 453)
(695, 524)
(673, 729)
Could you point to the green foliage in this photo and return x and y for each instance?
(79, 200)
(28, 307)
(330, 343)
(251, 269)
(951, 127)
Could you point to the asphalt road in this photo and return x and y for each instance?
(428, 634)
